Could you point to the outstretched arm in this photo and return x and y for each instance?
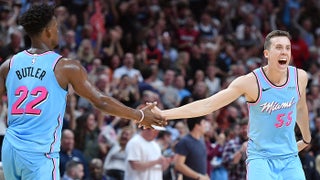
(205, 106)
(71, 72)
(302, 111)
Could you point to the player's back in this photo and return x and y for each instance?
(36, 103)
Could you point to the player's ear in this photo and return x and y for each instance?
(265, 53)
(49, 29)
(47, 32)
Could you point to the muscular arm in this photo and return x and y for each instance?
(240, 86)
(4, 68)
(71, 72)
(302, 109)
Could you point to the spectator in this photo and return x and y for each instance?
(156, 76)
(182, 129)
(180, 85)
(86, 135)
(300, 51)
(9, 13)
(96, 170)
(218, 169)
(154, 55)
(200, 90)
(13, 46)
(69, 153)
(187, 36)
(167, 49)
(164, 140)
(127, 91)
(168, 93)
(234, 153)
(199, 76)
(85, 52)
(70, 43)
(191, 159)
(111, 43)
(308, 162)
(144, 159)
(207, 32)
(74, 170)
(198, 58)
(212, 80)
(146, 84)
(183, 65)
(128, 69)
(114, 164)
(113, 63)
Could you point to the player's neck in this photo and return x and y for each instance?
(38, 47)
(276, 77)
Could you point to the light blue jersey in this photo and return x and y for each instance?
(36, 103)
(273, 118)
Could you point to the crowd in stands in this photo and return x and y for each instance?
(172, 52)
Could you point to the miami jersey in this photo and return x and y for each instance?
(36, 103)
(273, 117)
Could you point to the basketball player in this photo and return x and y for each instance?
(276, 98)
(36, 83)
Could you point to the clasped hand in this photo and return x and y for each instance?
(152, 116)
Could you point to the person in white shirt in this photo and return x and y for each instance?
(128, 69)
(144, 159)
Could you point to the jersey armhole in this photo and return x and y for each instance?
(11, 61)
(297, 82)
(54, 67)
(56, 62)
(258, 84)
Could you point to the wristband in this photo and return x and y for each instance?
(305, 141)
(142, 116)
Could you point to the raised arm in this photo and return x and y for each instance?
(302, 111)
(240, 86)
(71, 72)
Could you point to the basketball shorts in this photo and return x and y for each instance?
(275, 169)
(27, 165)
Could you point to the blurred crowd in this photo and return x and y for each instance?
(172, 52)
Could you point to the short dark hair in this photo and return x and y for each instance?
(162, 134)
(275, 33)
(35, 19)
(71, 164)
(191, 122)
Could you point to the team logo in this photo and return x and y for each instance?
(269, 107)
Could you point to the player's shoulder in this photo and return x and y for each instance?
(68, 63)
(246, 79)
(302, 77)
(302, 73)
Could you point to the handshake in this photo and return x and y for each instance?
(151, 117)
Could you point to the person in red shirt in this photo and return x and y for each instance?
(187, 35)
(153, 53)
(299, 50)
